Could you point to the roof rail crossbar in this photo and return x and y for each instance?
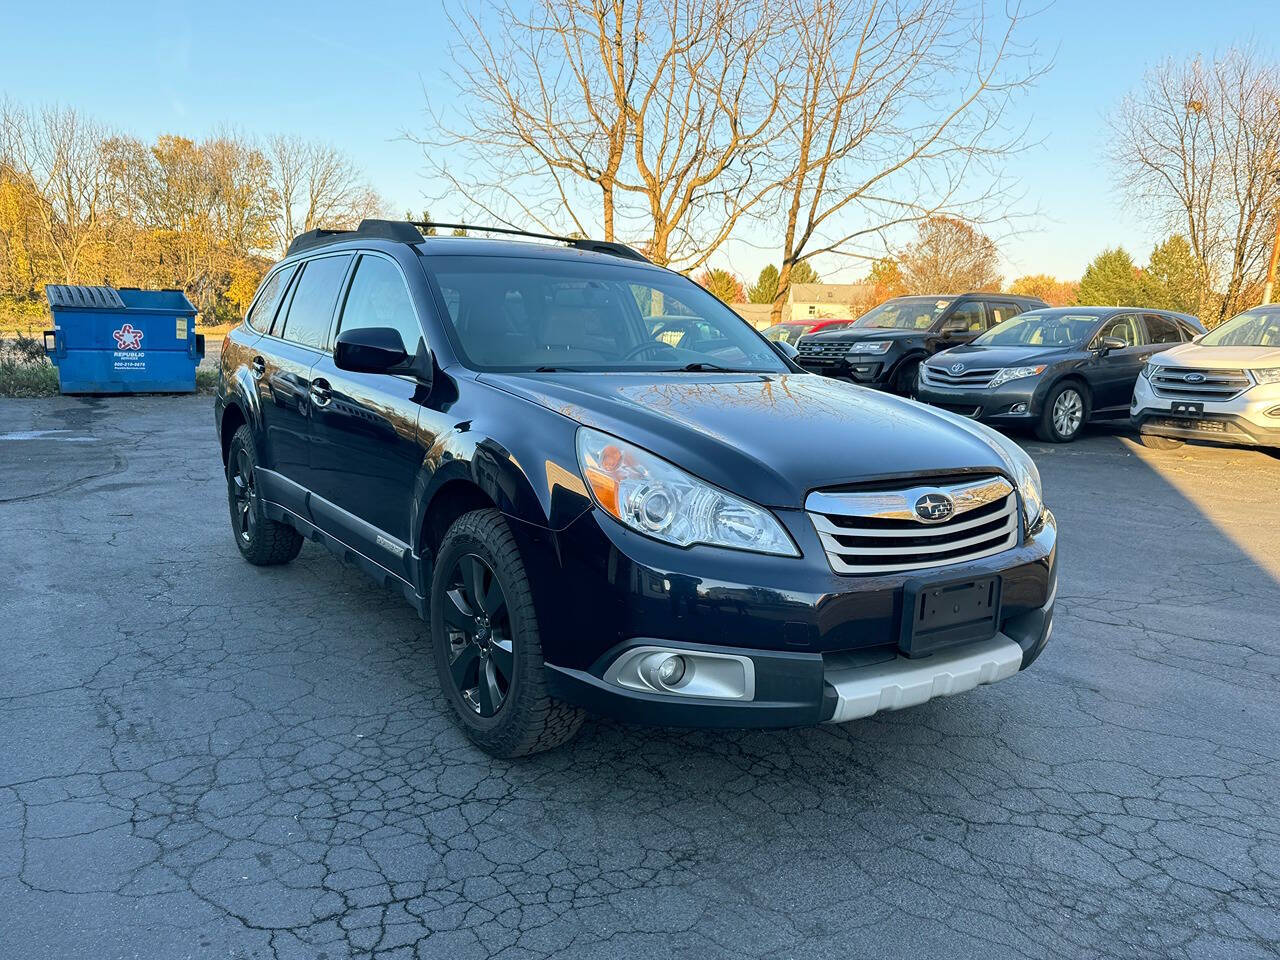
(579, 243)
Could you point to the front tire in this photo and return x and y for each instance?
(1153, 442)
(1065, 413)
(486, 644)
(904, 381)
(262, 541)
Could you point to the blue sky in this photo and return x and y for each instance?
(354, 75)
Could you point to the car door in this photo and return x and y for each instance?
(365, 454)
(961, 324)
(1112, 374)
(283, 370)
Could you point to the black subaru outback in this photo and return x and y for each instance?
(604, 491)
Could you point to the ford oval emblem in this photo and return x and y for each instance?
(957, 367)
(1194, 377)
(935, 507)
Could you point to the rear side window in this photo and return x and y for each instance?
(311, 308)
(264, 307)
(1162, 329)
(1000, 312)
(968, 316)
(379, 298)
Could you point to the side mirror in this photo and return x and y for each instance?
(1107, 344)
(371, 350)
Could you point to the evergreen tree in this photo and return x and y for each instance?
(802, 272)
(1111, 280)
(766, 286)
(1173, 279)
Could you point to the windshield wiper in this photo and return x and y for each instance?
(701, 366)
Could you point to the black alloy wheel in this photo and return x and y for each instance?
(244, 498)
(481, 652)
(262, 541)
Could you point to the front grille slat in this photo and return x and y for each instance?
(878, 532)
(1169, 381)
(976, 377)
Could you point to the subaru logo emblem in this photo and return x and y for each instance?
(1193, 377)
(935, 507)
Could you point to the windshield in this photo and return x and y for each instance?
(539, 314)
(1040, 328)
(905, 313)
(785, 332)
(1253, 328)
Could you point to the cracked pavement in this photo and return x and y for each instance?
(208, 760)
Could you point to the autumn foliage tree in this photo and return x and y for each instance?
(1055, 292)
(724, 284)
(949, 256)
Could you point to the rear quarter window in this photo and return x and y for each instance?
(268, 299)
(314, 297)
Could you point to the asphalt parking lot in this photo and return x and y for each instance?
(205, 759)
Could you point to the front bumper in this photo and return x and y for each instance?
(1251, 419)
(823, 647)
(867, 370)
(1016, 402)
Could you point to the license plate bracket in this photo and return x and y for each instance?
(940, 614)
(1185, 408)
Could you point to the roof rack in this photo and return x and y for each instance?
(411, 231)
(578, 243)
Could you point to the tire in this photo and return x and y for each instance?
(1066, 411)
(1152, 442)
(491, 639)
(262, 541)
(904, 381)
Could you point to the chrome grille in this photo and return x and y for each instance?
(879, 531)
(822, 351)
(975, 377)
(1168, 381)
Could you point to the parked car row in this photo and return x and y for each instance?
(1053, 370)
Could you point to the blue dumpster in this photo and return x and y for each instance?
(128, 340)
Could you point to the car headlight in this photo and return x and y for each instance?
(871, 346)
(1025, 475)
(1148, 369)
(1263, 375)
(658, 499)
(1005, 374)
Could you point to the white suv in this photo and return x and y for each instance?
(1224, 386)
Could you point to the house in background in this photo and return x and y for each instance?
(809, 301)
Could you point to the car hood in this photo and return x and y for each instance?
(771, 438)
(972, 356)
(864, 333)
(1220, 358)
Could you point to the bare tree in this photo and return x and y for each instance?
(898, 114)
(1197, 147)
(315, 185)
(658, 114)
(56, 153)
(949, 255)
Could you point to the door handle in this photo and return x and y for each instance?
(259, 367)
(320, 392)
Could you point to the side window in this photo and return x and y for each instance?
(968, 317)
(1124, 327)
(311, 308)
(379, 298)
(1002, 311)
(264, 307)
(1161, 329)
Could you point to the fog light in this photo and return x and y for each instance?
(671, 671)
(1018, 408)
(1274, 412)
